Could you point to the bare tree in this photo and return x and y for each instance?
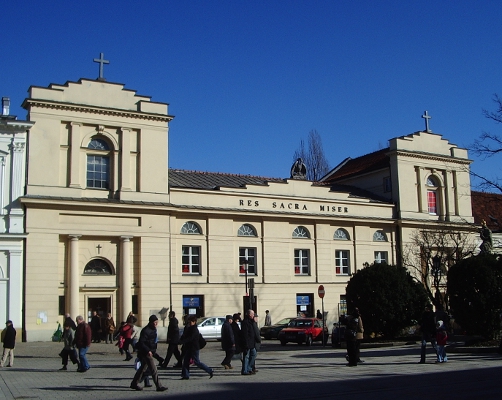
(313, 156)
(429, 255)
(488, 145)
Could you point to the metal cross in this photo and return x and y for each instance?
(99, 248)
(427, 117)
(101, 61)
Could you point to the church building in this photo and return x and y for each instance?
(110, 228)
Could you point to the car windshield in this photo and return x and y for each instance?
(300, 323)
(284, 321)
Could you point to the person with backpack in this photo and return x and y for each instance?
(192, 342)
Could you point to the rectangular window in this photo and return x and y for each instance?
(342, 263)
(249, 254)
(135, 304)
(302, 262)
(432, 202)
(61, 305)
(98, 172)
(381, 257)
(190, 260)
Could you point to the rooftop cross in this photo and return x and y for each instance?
(101, 61)
(427, 117)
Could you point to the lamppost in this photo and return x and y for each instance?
(437, 273)
(245, 264)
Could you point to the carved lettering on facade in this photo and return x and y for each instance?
(293, 206)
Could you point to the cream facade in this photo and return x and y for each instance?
(111, 228)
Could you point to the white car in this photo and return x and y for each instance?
(209, 327)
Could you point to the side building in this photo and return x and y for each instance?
(12, 234)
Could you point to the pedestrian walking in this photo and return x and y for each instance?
(249, 339)
(147, 347)
(173, 338)
(83, 337)
(428, 328)
(441, 338)
(9, 343)
(68, 349)
(191, 348)
(268, 318)
(96, 327)
(227, 342)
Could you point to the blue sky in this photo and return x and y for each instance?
(247, 80)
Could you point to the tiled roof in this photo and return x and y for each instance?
(488, 207)
(360, 165)
(213, 180)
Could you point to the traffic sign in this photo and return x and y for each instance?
(320, 291)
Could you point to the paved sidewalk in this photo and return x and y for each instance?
(291, 372)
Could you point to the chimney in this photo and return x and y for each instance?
(5, 106)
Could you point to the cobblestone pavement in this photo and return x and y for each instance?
(291, 372)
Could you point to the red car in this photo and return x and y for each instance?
(304, 330)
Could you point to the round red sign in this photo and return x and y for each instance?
(320, 291)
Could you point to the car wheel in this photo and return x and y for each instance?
(283, 343)
(308, 342)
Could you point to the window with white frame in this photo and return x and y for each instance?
(190, 260)
(381, 257)
(301, 232)
(246, 230)
(247, 257)
(98, 164)
(342, 262)
(302, 262)
(341, 234)
(190, 228)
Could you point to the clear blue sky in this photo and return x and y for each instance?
(246, 80)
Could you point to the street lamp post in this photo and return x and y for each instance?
(436, 272)
(245, 264)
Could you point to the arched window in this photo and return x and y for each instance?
(301, 232)
(191, 228)
(98, 267)
(341, 234)
(379, 236)
(246, 230)
(432, 190)
(98, 164)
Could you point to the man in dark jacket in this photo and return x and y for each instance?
(227, 342)
(83, 336)
(147, 347)
(237, 333)
(428, 328)
(173, 338)
(249, 340)
(191, 347)
(96, 327)
(9, 342)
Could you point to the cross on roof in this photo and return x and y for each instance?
(427, 117)
(101, 61)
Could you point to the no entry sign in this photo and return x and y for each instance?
(320, 291)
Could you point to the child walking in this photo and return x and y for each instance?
(441, 337)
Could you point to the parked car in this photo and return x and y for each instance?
(304, 330)
(271, 331)
(209, 327)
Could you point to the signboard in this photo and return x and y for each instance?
(302, 300)
(320, 291)
(191, 302)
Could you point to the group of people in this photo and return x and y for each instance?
(102, 328)
(244, 340)
(434, 331)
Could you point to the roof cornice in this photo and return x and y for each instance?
(82, 108)
(429, 156)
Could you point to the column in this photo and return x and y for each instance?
(16, 214)
(75, 156)
(125, 276)
(125, 166)
(15, 303)
(74, 287)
